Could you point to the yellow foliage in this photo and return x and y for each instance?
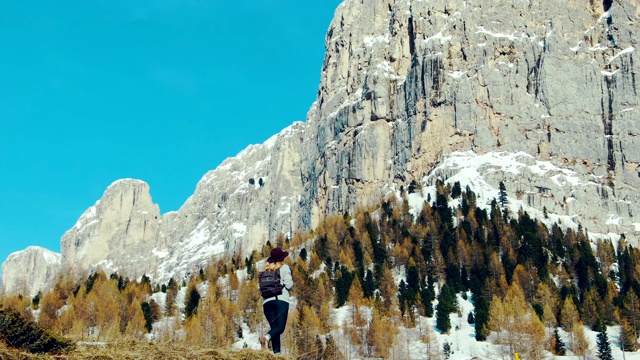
(250, 304)
(569, 315)
(527, 279)
(381, 335)
(305, 326)
(234, 284)
(580, 345)
(356, 294)
(194, 334)
(433, 347)
(19, 303)
(389, 290)
(215, 319)
(400, 254)
(314, 262)
(66, 321)
(549, 303)
(49, 305)
(516, 326)
(65, 285)
(106, 304)
(346, 258)
(135, 321)
(333, 229)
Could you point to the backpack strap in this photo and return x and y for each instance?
(278, 271)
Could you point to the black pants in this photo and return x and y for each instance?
(276, 312)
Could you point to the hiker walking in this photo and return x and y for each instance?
(275, 283)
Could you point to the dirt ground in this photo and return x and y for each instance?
(140, 350)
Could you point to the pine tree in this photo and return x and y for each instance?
(604, 347)
(470, 319)
(443, 323)
(447, 304)
(502, 195)
(558, 344)
(413, 281)
(446, 349)
(427, 295)
(481, 316)
(368, 284)
(191, 301)
(402, 297)
(148, 316)
(456, 191)
(343, 281)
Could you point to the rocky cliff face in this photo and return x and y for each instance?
(427, 78)
(405, 86)
(30, 270)
(117, 232)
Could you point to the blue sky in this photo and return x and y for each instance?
(92, 91)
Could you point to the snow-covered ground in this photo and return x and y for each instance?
(461, 338)
(474, 170)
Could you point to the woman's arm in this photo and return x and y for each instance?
(287, 279)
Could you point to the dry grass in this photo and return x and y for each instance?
(140, 350)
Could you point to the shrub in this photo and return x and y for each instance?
(29, 336)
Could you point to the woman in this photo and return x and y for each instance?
(276, 308)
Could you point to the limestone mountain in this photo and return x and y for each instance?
(30, 270)
(406, 87)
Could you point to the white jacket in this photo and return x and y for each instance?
(287, 280)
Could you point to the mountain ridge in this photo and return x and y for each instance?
(396, 96)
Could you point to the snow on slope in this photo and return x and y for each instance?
(521, 171)
(408, 343)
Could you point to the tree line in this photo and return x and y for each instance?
(525, 280)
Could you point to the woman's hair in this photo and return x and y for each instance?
(274, 266)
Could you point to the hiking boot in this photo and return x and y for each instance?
(263, 342)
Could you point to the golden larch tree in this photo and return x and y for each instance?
(580, 345)
(49, 306)
(516, 327)
(569, 315)
(250, 303)
(380, 335)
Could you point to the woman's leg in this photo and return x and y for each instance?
(279, 312)
(270, 311)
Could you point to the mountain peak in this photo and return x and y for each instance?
(409, 89)
(30, 270)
